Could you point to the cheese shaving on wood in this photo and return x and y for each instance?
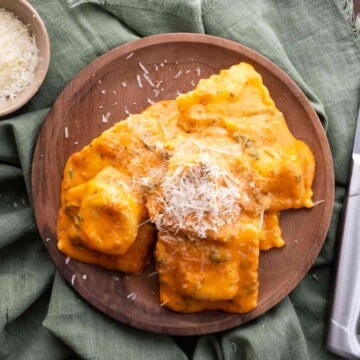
(18, 56)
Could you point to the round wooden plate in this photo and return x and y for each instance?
(114, 85)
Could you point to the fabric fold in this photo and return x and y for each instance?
(73, 320)
(153, 17)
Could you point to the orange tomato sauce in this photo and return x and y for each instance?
(202, 179)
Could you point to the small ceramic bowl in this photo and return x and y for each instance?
(28, 15)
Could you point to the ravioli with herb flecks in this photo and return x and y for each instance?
(209, 173)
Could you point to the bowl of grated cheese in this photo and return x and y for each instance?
(24, 55)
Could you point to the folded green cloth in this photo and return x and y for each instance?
(41, 317)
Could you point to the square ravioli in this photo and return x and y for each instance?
(203, 275)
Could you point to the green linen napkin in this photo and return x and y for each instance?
(41, 317)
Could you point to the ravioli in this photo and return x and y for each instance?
(202, 179)
(210, 275)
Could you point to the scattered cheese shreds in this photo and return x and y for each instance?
(147, 78)
(127, 112)
(105, 117)
(138, 79)
(318, 202)
(143, 68)
(200, 197)
(158, 83)
(129, 56)
(18, 56)
(132, 296)
(261, 221)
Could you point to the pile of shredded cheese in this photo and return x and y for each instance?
(198, 198)
(18, 56)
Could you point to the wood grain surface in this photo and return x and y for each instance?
(356, 7)
(77, 117)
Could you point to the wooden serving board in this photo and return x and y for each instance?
(102, 94)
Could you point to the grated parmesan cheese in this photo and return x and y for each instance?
(143, 68)
(138, 79)
(127, 112)
(105, 117)
(200, 198)
(318, 202)
(132, 296)
(129, 56)
(18, 56)
(147, 78)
